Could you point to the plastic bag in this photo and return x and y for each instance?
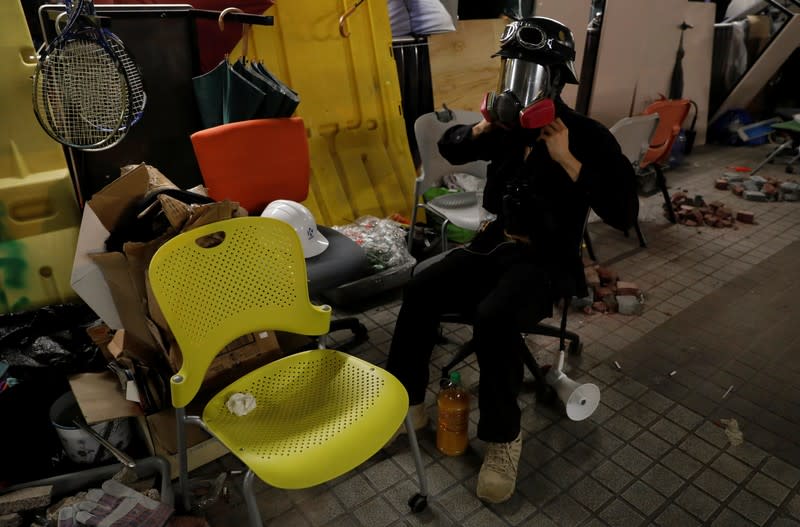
(383, 240)
(52, 337)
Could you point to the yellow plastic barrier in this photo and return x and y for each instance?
(350, 101)
(39, 216)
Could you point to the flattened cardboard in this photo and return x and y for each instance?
(100, 397)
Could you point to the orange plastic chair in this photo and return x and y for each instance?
(258, 161)
(671, 114)
(255, 162)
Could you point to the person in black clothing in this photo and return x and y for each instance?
(548, 166)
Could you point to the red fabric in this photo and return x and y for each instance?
(255, 162)
(213, 44)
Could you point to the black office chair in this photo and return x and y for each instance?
(575, 347)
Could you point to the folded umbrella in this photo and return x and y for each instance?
(225, 95)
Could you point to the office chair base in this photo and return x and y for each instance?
(359, 330)
(418, 503)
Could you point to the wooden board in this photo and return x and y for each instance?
(462, 67)
(618, 57)
(657, 51)
(699, 45)
(635, 61)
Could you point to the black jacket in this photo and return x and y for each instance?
(558, 206)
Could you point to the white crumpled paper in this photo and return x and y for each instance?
(732, 430)
(241, 403)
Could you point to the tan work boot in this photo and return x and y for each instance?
(418, 417)
(498, 476)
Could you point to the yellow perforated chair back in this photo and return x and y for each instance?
(212, 292)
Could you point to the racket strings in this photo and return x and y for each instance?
(83, 95)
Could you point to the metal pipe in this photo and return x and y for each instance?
(244, 18)
(183, 461)
(250, 500)
(785, 10)
(119, 454)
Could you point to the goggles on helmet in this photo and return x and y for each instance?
(530, 36)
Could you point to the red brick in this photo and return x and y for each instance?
(721, 184)
(628, 288)
(600, 307)
(745, 216)
(607, 276)
(737, 189)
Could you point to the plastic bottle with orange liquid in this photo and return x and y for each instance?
(452, 435)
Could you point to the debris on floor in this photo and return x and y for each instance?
(695, 212)
(607, 293)
(732, 430)
(25, 499)
(758, 188)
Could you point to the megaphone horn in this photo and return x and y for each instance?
(580, 400)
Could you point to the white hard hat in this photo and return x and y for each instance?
(301, 219)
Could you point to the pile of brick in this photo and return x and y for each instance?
(758, 188)
(609, 294)
(695, 212)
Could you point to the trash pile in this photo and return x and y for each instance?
(609, 294)
(758, 188)
(384, 241)
(695, 212)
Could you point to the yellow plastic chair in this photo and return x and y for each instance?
(318, 413)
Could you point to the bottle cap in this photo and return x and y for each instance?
(455, 377)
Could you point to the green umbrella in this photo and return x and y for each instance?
(225, 96)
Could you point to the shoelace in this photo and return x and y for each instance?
(498, 458)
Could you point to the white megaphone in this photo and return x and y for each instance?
(580, 400)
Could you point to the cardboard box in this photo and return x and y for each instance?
(114, 284)
(241, 357)
(101, 215)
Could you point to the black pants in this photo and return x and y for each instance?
(497, 291)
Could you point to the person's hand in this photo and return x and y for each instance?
(482, 127)
(556, 136)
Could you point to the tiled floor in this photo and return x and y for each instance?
(721, 308)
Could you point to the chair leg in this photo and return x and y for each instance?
(359, 330)
(463, 352)
(662, 184)
(771, 156)
(642, 240)
(575, 347)
(183, 462)
(250, 499)
(587, 240)
(419, 501)
(792, 161)
(445, 222)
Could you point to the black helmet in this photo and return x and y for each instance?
(541, 40)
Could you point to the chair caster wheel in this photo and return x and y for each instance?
(418, 503)
(546, 395)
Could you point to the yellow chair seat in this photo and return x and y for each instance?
(318, 414)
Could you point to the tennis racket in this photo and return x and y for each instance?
(138, 95)
(82, 94)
